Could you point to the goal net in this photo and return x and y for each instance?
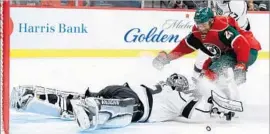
(4, 92)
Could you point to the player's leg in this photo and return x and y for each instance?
(252, 57)
(224, 84)
(41, 100)
(117, 107)
(220, 66)
(227, 79)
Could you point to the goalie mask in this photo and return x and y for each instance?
(178, 82)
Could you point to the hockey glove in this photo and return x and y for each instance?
(210, 75)
(161, 60)
(240, 70)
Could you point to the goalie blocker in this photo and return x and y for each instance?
(119, 105)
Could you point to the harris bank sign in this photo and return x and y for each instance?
(52, 28)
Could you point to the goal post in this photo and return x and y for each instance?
(5, 52)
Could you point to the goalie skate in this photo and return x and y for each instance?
(86, 113)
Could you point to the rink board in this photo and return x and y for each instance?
(108, 32)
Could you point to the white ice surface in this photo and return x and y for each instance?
(75, 74)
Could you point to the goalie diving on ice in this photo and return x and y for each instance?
(118, 106)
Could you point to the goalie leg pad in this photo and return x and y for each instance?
(24, 98)
(42, 107)
(116, 113)
(86, 113)
(92, 113)
(41, 100)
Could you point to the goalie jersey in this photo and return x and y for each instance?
(161, 102)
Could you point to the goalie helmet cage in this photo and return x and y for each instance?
(4, 38)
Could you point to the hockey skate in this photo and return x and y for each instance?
(86, 113)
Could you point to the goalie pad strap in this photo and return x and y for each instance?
(63, 104)
(55, 99)
(188, 108)
(150, 100)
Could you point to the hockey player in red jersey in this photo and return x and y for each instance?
(235, 13)
(221, 39)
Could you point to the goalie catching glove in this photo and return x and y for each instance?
(161, 60)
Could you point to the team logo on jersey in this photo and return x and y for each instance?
(215, 50)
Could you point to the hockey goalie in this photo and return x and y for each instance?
(119, 105)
